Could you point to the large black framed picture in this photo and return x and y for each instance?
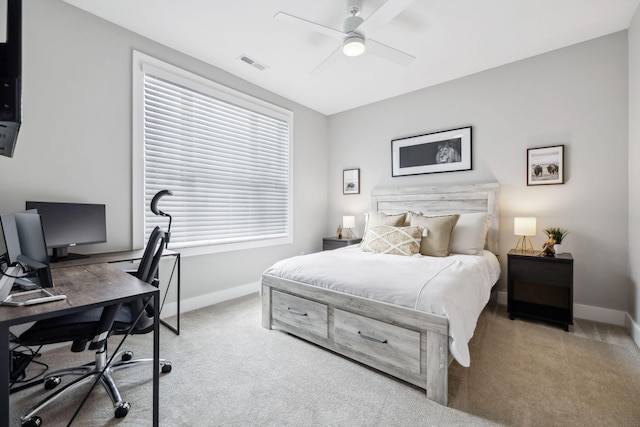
(444, 151)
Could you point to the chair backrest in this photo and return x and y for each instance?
(147, 272)
(151, 258)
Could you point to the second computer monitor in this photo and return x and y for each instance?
(33, 248)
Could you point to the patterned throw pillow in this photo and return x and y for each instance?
(385, 239)
(373, 219)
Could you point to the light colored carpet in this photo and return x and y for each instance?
(229, 371)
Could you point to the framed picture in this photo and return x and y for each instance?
(351, 181)
(445, 151)
(545, 165)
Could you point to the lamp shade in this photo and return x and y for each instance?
(524, 226)
(348, 221)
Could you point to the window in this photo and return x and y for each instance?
(225, 156)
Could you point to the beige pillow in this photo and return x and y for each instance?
(385, 239)
(436, 239)
(373, 219)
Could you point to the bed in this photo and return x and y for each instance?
(340, 305)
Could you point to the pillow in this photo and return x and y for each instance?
(436, 239)
(373, 219)
(384, 239)
(470, 233)
(409, 215)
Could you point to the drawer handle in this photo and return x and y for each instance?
(367, 337)
(296, 312)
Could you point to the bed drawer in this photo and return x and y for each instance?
(387, 343)
(300, 313)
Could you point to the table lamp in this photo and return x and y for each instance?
(348, 222)
(523, 227)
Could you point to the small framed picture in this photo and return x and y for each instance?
(545, 165)
(351, 181)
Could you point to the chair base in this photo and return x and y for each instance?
(86, 374)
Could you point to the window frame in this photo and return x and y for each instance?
(142, 63)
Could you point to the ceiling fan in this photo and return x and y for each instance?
(352, 37)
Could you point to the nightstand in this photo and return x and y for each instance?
(329, 243)
(540, 287)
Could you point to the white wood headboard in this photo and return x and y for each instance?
(444, 199)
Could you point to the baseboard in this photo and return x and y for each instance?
(587, 312)
(633, 328)
(201, 301)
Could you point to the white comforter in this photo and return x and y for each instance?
(457, 286)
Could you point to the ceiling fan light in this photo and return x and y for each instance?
(353, 46)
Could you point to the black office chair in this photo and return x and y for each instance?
(95, 326)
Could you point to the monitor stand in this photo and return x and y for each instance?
(63, 254)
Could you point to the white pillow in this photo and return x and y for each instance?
(470, 233)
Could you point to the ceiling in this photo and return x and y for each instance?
(449, 38)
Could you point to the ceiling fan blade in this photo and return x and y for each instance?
(385, 13)
(311, 25)
(335, 56)
(387, 52)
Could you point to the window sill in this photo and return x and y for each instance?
(228, 247)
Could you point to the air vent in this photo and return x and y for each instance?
(253, 62)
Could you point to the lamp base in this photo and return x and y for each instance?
(524, 244)
(348, 234)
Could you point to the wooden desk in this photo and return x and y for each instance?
(126, 256)
(88, 286)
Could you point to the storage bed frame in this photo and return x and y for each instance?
(405, 343)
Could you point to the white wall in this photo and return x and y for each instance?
(634, 176)
(576, 96)
(75, 140)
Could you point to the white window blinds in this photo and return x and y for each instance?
(225, 159)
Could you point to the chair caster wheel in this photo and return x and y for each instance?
(34, 421)
(166, 368)
(127, 355)
(52, 383)
(123, 410)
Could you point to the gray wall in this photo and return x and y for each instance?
(634, 172)
(75, 141)
(576, 96)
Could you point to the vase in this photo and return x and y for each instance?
(558, 248)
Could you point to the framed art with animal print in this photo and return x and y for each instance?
(444, 151)
(545, 165)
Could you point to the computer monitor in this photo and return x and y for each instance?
(33, 247)
(10, 243)
(71, 224)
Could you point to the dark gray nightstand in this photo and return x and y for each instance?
(329, 243)
(540, 287)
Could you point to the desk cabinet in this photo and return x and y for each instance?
(329, 243)
(540, 287)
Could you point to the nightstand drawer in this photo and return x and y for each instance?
(303, 315)
(546, 273)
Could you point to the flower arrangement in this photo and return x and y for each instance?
(558, 234)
